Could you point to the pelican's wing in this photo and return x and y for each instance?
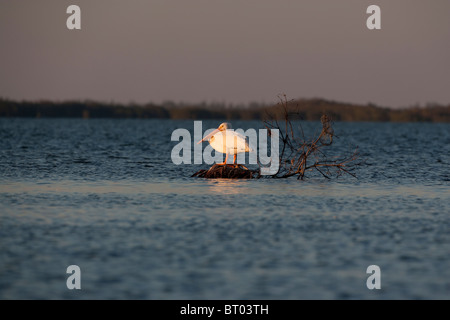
(247, 146)
(236, 142)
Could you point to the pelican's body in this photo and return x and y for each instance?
(227, 141)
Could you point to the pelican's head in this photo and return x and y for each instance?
(223, 126)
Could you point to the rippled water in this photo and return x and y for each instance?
(104, 195)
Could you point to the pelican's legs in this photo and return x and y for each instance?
(225, 162)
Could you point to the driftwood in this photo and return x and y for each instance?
(229, 171)
(300, 154)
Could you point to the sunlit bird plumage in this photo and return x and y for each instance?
(227, 141)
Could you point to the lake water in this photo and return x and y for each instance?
(104, 195)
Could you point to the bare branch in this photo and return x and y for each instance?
(301, 155)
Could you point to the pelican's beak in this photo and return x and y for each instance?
(209, 136)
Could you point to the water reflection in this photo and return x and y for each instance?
(223, 187)
(228, 186)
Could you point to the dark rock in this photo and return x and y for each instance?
(229, 171)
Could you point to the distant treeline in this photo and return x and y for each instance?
(306, 109)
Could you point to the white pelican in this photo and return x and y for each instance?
(227, 141)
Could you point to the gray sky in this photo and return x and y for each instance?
(226, 51)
